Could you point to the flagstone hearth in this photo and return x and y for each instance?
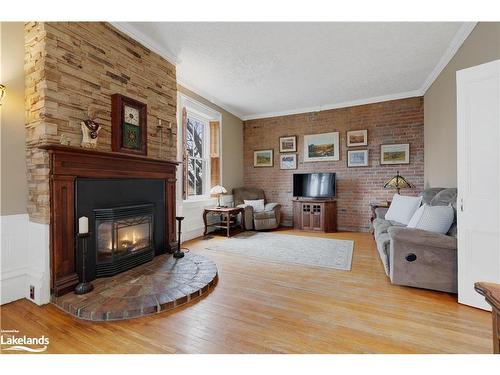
(160, 285)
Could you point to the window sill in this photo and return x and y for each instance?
(199, 199)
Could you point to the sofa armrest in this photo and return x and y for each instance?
(271, 206)
(380, 212)
(423, 259)
(422, 238)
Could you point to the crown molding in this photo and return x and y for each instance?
(128, 29)
(352, 103)
(457, 41)
(208, 97)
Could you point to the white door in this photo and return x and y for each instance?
(478, 205)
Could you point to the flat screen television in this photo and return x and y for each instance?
(314, 185)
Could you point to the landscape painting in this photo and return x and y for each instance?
(357, 158)
(288, 144)
(395, 154)
(288, 161)
(321, 147)
(263, 158)
(357, 138)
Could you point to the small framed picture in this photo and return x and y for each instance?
(288, 144)
(357, 138)
(357, 158)
(321, 147)
(288, 161)
(263, 158)
(395, 154)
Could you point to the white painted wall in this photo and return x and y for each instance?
(24, 259)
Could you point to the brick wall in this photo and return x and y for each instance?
(71, 67)
(397, 121)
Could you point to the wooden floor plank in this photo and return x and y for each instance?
(267, 307)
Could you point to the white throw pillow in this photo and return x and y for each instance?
(416, 217)
(402, 208)
(258, 204)
(437, 219)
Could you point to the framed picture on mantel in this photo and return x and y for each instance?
(128, 125)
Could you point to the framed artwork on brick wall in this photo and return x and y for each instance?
(288, 161)
(263, 158)
(395, 154)
(288, 144)
(357, 158)
(357, 138)
(129, 125)
(321, 147)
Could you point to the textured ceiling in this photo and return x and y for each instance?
(260, 69)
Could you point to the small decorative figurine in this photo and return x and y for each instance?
(65, 141)
(90, 131)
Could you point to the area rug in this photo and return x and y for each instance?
(283, 248)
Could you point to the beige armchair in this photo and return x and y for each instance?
(267, 219)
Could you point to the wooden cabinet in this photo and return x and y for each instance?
(315, 215)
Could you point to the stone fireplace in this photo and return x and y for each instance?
(72, 69)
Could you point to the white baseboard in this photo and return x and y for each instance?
(24, 260)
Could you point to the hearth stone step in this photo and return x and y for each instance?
(160, 285)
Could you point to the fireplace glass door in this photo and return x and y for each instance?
(124, 238)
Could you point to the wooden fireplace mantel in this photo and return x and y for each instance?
(66, 164)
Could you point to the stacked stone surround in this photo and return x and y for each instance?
(72, 68)
(397, 121)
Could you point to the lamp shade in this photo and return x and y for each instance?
(398, 182)
(217, 189)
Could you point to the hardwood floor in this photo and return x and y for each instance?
(264, 307)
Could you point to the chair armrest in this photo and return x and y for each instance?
(248, 212)
(380, 212)
(422, 238)
(271, 206)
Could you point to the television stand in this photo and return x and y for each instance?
(319, 215)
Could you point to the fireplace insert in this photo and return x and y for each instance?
(123, 237)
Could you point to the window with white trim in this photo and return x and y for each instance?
(197, 135)
(200, 148)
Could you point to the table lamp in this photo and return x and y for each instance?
(398, 182)
(218, 190)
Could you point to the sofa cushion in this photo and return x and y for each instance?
(437, 219)
(429, 194)
(383, 244)
(264, 215)
(242, 193)
(445, 197)
(402, 208)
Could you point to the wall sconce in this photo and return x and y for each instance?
(2, 93)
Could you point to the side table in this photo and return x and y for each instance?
(227, 218)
